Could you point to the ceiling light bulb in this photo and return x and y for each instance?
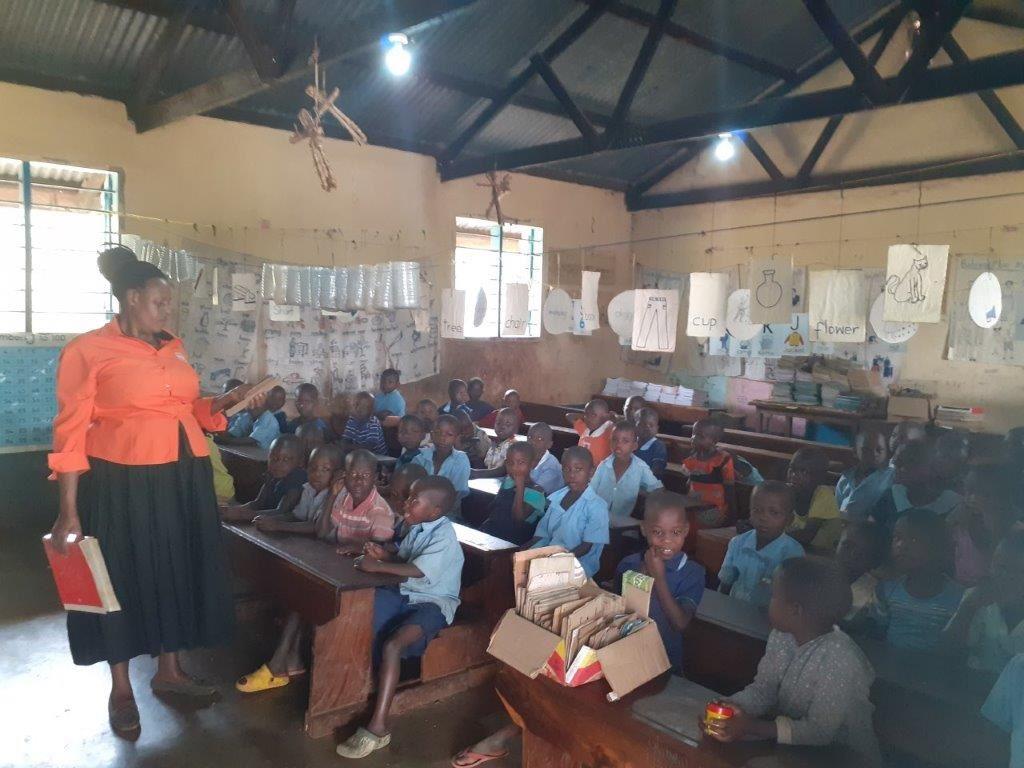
(397, 59)
(724, 149)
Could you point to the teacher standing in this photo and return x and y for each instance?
(134, 471)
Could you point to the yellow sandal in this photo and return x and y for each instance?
(260, 680)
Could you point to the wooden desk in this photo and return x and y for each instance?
(576, 727)
(306, 575)
(710, 549)
(681, 414)
(766, 409)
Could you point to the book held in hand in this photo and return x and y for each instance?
(80, 574)
(264, 385)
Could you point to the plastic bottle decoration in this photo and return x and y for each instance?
(280, 284)
(293, 291)
(358, 287)
(305, 287)
(769, 291)
(406, 279)
(383, 297)
(341, 282)
(328, 297)
(314, 286)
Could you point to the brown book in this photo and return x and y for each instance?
(259, 388)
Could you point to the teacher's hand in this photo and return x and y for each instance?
(67, 524)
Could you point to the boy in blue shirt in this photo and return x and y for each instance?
(407, 618)
(307, 401)
(620, 478)
(651, 450)
(282, 489)
(445, 460)
(476, 405)
(914, 608)
(260, 428)
(678, 581)
(546, 472)
(363, 430)
(458, 398)
(752, 557)
(389, 401)
(519, 504)
(410, 436)
(860, 487)
(577, 518)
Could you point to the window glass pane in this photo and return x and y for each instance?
(12, 249)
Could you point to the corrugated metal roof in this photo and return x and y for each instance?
(98, 46)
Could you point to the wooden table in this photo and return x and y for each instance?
(710, 549)
(766, 409)
(306, 575)
(576, 727)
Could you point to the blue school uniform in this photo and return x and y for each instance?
(621, 494)
(501, 522)
(294, 480)
(479, 409)
(447, 408)
(1005, 707)
(654, 453)
(548, 474)
(265, 430)
(749, 570)
(685, 580)
(912, 622)
(365, 434)
(291, 426)
(392, 402)
(282, 422)
(894, 502)
(746, 472)
(455, 468)
(429, 601)
(586, 521)
(856, 498)
(407, 457)
(240, 425)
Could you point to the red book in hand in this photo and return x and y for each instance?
(80, 574)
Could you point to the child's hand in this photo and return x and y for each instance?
(350, 550)
(266, 524)
(374, 550)
(368, 564)
(654, 564)
(733, 729)
(338, 484)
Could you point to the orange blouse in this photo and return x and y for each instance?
(121, 400)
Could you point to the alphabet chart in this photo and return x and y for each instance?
(28, 400)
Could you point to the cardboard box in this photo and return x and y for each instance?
(907, 407)
(626, 664)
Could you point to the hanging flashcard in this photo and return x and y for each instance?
(708, 294)
(985, 301)
(771, 290)
(890, 333)
(243, 291)
(589, 297)
(914, 283)
(579, 319)
(283, 313)
(737, 317)
(837, 305)
(620, 316)
(453, 313)
(516, 309)
(557, 315)
(655, 315)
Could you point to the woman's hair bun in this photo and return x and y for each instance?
(113, 261)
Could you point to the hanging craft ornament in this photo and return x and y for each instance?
(310, 126)
(887, 331)
(985, 302)
(498, 190)
(557, 314)
(737, 316)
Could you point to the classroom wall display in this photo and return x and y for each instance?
(889, 332)
(516, 309)
(28, 401)
(915, 282)
(836, 310)
(283, 313)
(985, 301)
(588, 296)
(771, 290)
(705, 315)
(579, 319)
(243, 291)
(1003, 343)
(620, 316)
(655, 316)
(737, 316)
(557, 313)
(453, 314)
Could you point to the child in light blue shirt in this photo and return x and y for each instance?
(444, 460)
(859, 488)
(261, 428)
(752, 557)
(1005, 707)
(577, 518)
(620, 478)
(389, 401)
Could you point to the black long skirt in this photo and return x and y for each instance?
(159, 531)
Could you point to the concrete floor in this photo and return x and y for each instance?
(53, 713)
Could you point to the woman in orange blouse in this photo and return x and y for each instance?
(134, 471)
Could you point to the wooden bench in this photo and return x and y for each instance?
(925, 708)
(306, 575)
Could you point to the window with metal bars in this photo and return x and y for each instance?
(487, 259)
(54, 221)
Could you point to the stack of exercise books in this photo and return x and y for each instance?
(667, 394)
(806, 392)
(782, 391)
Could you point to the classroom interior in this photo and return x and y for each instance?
(642, 142)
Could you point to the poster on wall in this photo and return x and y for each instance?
(655, 315)
(282, 313)
(517, 309)
(620, 316)
(706, 312)
(836, 305)
(915, 282)
(243, 291)
(771, 290)
(557, 314)
(589, 299)
(453, 313)
(737, 320)
(1003, 343)
(579, 319)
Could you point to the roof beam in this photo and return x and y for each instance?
(267, 61)
(410, 16)
(999, 71)
(658, 173)
(761, 156)
(833, 122)
(898, 174)
(864, 73)
(575, 114)
(201, 16)
(696, 39)
(639, 71)
(994, 104)
(568, 36)
(153, 66)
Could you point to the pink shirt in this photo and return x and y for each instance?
(371, 520)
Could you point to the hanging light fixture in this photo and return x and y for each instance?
(725, 150)
(397, 58)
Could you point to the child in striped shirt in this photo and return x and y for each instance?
(363, 429)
